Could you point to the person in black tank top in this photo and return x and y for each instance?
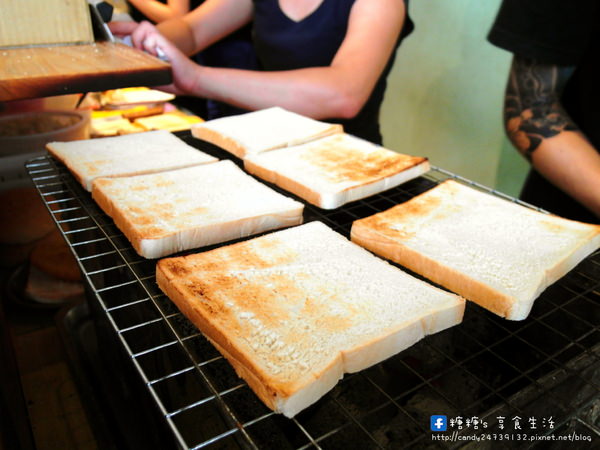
(284, 44)
(326, 59)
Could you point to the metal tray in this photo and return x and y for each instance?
(486, 372)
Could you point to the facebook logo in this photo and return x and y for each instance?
(439, 423)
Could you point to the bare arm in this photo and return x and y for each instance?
(338, 90)
(159, 12)
(195, 31)
(543, 132)
(215, 19)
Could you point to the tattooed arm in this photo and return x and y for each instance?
(542, 131)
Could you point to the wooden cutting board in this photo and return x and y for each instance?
(46, 71)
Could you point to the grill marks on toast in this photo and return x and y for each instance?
(337, 169)
(496, 253)
(192, 207)
(293, 310)
(351, 164)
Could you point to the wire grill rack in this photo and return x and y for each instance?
(546, 368)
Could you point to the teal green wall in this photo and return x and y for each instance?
(445, 94)
(512, 169)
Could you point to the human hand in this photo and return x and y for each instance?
(146, 37)
(122, 28)
(137, 32)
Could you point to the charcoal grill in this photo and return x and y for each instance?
(179, 387)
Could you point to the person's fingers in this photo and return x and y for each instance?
(170, 88)
(181, 65)
(120, 28)
(146, 37)
(139, 35)
(149, 44)
(160, 46)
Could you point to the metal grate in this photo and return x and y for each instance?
(546, 367)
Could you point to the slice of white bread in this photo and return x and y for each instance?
(294, 310)
(140, 95)
(262, 130)
(335, 170)
(494, 252)
(187, 208)
(130, 154)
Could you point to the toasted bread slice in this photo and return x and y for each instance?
(294, 310)
(335, 170)
(497, 253)
(192, 207)
(170, 121)
(140, 95)
(112, 126)
(131, 154)
(262, 130)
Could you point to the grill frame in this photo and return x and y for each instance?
(147, 327)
